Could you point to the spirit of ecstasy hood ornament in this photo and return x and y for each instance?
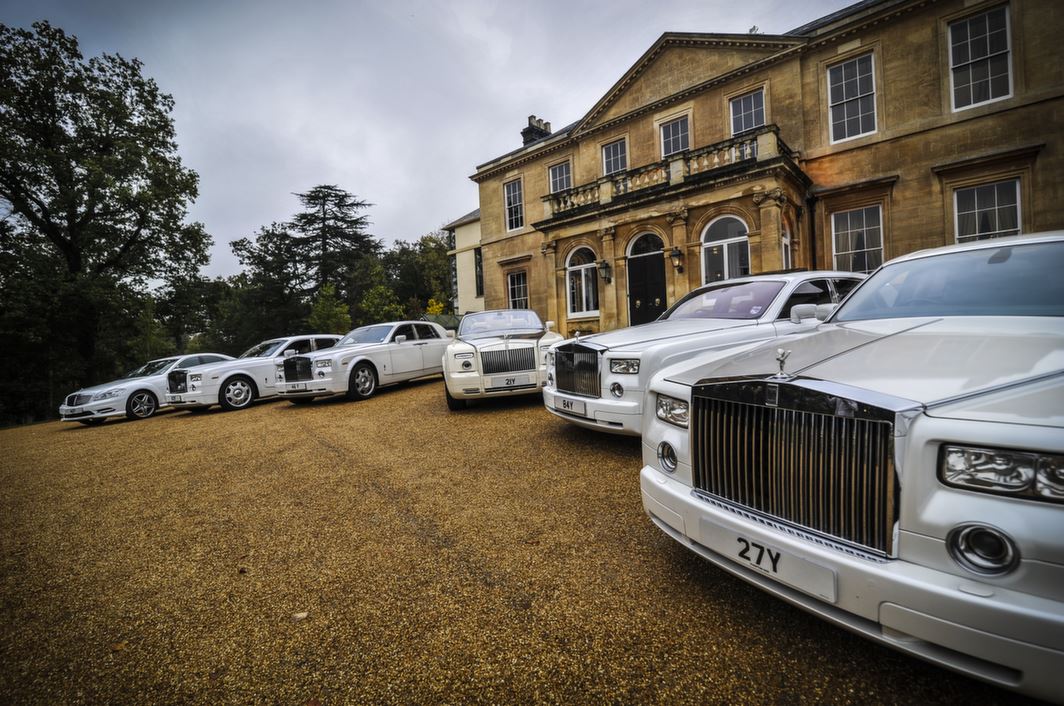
(781, 357)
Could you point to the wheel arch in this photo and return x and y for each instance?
(239, 374)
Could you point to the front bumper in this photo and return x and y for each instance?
(318, 387)
(996, 634)
(609, 414)
(473, 385)
(199, 398)
(102, 409)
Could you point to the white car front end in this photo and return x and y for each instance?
(99, 402)
(496, 367)
(318, 374)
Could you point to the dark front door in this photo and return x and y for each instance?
(646, 288)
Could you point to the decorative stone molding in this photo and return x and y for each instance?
(677, 217)
(607, 233)
(776, 195)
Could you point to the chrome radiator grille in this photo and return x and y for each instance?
(507, 361)
(75, 399)
(297, 369)
(576, 368)
(833, 475)
(177, 381)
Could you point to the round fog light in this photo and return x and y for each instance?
(466, 365)
(667, 457)
(616, 390)
(982, 549)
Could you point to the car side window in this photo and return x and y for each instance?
(189, 362)
(814, 291)
(425, 331)
(300, 346)
(205, 359)
(320, 343)
(844, 286)
(404, 330)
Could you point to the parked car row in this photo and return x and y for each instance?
(884, 452)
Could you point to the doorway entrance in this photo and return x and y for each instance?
(646, 279)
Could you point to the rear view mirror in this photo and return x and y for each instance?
(289, 352)
(450, 334)
(800, 312)
(550, 325)
(400, 339)
(823, 311)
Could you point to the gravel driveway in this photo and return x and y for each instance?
(386, 551)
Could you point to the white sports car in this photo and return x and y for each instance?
(900, 470)
(497, 354)
(365, 359)
(598, 381)
(138, 395)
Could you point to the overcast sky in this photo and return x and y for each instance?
(395, 101)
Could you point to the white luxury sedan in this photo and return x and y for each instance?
(238, 382)
(496, 354)
(138, 395)
(899, 471)
(598, 381)
(364, 359)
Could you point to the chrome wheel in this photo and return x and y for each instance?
(141, 405)
(363, 382)
(237, 394)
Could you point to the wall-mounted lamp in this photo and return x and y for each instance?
(677, 258)
(605, 271)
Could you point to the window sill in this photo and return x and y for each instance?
(583, 315)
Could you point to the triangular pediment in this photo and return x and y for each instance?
(678, 63)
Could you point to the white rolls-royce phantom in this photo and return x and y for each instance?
(237, 383)
(497, 354)
(364, 359)
(900, 470)
(598, 381)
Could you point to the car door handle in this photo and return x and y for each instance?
(423, 343)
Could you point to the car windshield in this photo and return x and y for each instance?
(1012, 280)
(153, 367)
(263, 350)
(499, 323)
(743, 300)
(366, 334)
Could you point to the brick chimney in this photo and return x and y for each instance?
(537, 129)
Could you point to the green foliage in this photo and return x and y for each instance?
(329, 236)
(328, 314)
(420, 271)
(380, 304)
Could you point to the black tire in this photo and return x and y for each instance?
(362, 383)
(301, 400)
(237, 393)
(91, 422)
(455, 405)
(141, 405)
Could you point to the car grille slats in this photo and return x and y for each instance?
(75, 399)
(297, 369)
(177, 381)
(832, 475)
(576, 369)
(508, 360)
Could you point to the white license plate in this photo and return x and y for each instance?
(577, 407)
(780, 565)
(74, 410)
(510, 380)
(297, 386)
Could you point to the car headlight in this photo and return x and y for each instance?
(624, 366)
(108, 394)
(1025, 474)
(323, 364)
(673, 411)
(549, 358)
(195, 377)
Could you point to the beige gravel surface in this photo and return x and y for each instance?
(386, 551)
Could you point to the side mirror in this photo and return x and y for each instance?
(400, 339)
(823, 311)
(550, 325)
(289, 352)
(450, 334)
(802, 311)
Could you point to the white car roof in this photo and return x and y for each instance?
(1022, 239)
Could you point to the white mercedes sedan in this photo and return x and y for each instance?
(598, 381)
(900, 470)
(497, 354)
(365, 359)
(138, 395)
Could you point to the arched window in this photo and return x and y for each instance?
(582, 275)
(725, 250)
(646, 244)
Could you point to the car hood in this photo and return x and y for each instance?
(329, 352)
(234, 364)
(514, 341)
(636, 338)
(103, 386)
(925, 360)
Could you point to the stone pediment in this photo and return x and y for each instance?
(678, 63)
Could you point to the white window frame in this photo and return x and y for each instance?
(518, 208)
(834, 237)
(786, 251)
(623, 141)
(733, 102)
(875, 108)
(514, 299)
(568, 176)
(585, 271)
(643, 234)
(745, 239)
(686, 119)
(977, 235)
(1007, 52)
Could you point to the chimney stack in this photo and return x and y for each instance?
(537, 129)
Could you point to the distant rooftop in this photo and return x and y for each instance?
(470, 217)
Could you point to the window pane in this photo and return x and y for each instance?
(858, 239)
(852, 104)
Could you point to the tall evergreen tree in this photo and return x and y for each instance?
(330, 236)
